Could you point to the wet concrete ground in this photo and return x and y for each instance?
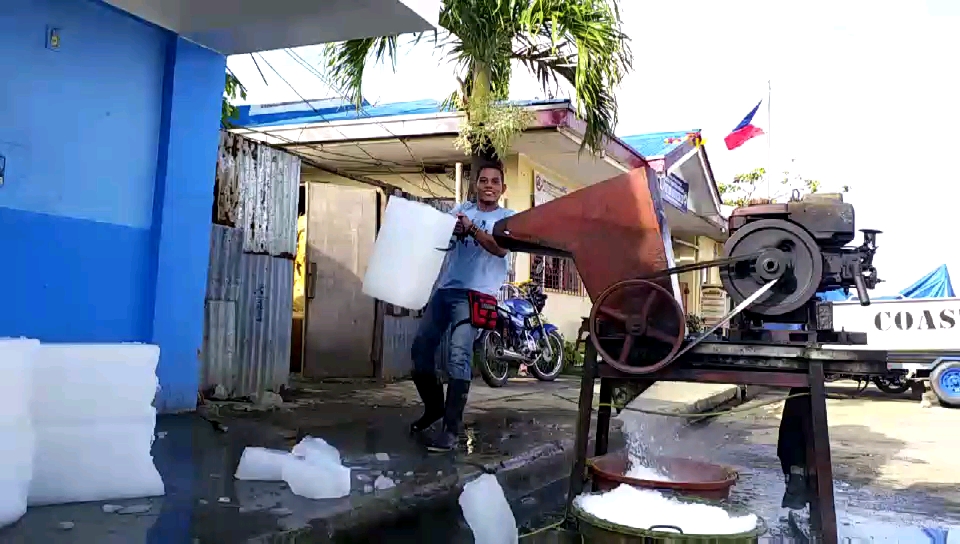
(523, 432)
(894, 465)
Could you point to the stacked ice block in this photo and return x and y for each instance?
(76, 424)
(16, 430)
(94, 420)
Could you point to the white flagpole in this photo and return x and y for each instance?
(769, 138)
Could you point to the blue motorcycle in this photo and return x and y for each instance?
(520, 338)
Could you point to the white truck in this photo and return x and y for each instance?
(921, 336)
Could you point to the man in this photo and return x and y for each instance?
(476, 263)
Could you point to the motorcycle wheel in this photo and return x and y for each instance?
(545, 370)
(495, 372)
(892, 386)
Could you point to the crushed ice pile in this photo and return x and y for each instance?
(487, 512)
(77, 424)
(313, 469)
(644, 508)
(639, 471)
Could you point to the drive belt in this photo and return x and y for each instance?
(727, 261)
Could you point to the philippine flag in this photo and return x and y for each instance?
(744, 131)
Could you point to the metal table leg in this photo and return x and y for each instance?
(604, 412)
(578, 474)
(823, 515)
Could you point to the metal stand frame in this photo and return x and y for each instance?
(794, 367)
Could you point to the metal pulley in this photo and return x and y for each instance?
(785, 252)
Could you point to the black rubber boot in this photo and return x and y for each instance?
(431, 393)
(795, 496)
(446, 437)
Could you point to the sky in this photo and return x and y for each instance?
(862, 94)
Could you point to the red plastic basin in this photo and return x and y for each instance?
(692, 478)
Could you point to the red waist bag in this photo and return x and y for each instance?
(483, 310)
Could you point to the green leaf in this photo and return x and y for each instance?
(579, 42)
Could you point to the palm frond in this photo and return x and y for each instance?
(582, 42)
(347, 61)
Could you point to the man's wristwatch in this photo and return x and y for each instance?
(472, 231)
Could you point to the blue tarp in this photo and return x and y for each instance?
(936, 284)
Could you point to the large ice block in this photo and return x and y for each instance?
(16, 429)
(94, 462)
(408, 255)
(92, 383)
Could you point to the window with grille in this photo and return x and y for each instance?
(559, 275)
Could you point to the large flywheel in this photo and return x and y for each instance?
(637, 326)
(786, 252)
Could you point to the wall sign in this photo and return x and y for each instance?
(675, 191)
(545, 190)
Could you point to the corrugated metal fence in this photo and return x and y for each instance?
(249, 303)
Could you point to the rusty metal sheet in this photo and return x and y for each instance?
(256, 190)
(223, 275)
(248, 318)
(398, 334)
(218, 356)
(264, 323)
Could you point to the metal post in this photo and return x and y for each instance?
(578, 474)
(458, 183)
(823, 515)
(769, 138)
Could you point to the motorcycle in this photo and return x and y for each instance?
(521, 338)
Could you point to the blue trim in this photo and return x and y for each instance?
(193, 87)
(73, 280)
(417, 107)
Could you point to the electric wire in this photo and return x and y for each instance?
(380, 162)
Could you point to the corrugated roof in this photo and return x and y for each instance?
(656, 144)
(270, 115)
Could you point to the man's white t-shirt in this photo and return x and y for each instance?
(468, 265)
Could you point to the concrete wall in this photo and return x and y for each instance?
(110, 146)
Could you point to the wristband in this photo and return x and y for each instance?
(472, 231)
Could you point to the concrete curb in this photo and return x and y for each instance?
(692, 398)
(519, 475)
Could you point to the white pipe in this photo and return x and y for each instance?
(458, 184)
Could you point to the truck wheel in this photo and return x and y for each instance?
(945, 382)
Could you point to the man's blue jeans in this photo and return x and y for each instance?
(446, 307)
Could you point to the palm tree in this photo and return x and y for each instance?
(579, 42)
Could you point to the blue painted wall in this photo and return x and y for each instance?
(79, 130)
(183, 210)
(110, 146)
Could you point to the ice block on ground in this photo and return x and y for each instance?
(316, 480)
(487, 512)
(316, 450)
(261, 464)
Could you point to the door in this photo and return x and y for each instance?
(340, 319)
